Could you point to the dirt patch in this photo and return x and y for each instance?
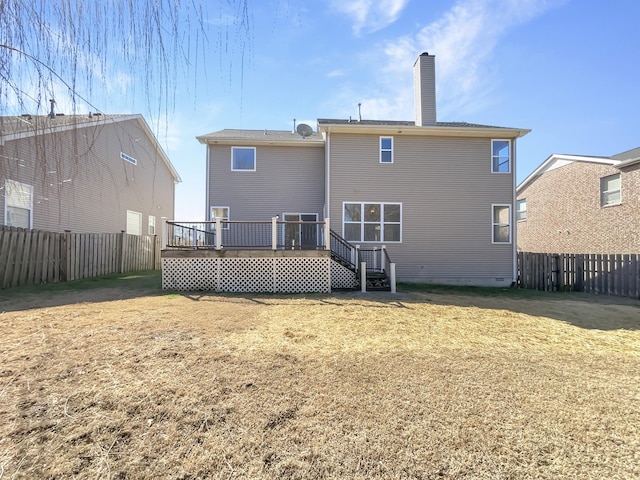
(420, 385)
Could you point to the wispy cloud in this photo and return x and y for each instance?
(369, 15)
(464, 40)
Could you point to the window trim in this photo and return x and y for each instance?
(603, 191)
(510, 161)
(498, 224)
(362, 223)
(8, 204)
(519, 212)
(381, 150)
(224, 226)
(139, 222)
(255, 162)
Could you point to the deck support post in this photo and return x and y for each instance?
(392, 277)
(363, 276)
(382, 259)
(274, 233)
(327, 234)
(218, 234)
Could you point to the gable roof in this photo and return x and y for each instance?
(558, 160)
(253, 137)
(25, 126)
(453, 129)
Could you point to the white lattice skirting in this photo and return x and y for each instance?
(342, 277)
(288, 274)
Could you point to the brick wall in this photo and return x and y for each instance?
(564, 213)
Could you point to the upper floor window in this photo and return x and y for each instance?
(521, 210)
(501, 220)
(386, 149)
(18, 204)
(610, 192)
(372, 222)
(243, 159)
(500, 156)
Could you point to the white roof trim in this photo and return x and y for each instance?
(558, 160)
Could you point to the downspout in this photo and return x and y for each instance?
(327, 193)
(207, 199)
(514, 221)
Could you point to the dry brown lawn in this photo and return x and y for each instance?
(135, 383)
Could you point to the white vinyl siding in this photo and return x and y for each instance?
(243, 159)
(134, 223)
(372, 222)
(18, 204)
(386, 149)
(501, 222)
(610, 190)
(500, 156)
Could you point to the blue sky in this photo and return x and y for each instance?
(568, 70)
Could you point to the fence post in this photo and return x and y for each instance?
(363, 276)
(65, 261)
(274, 233)
(392, 276)
(327, 234)
(218, 233)
(122, 251)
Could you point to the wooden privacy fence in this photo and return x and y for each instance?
(31, 257)
(617, 274)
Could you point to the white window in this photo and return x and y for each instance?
(152, 225)
(372, 222)
(243, 159)
(222, 213)
(500, 156)
(18, 204)
(610, 191)
(134, 223)
(386, 149)
(501, 220)
(521, 210)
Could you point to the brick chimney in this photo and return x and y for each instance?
(424, 86)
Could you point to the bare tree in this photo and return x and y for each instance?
(50, 48)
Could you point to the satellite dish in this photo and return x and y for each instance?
(304, 130)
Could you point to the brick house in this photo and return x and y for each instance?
(581, 204)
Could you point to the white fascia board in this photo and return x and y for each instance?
(426, 131)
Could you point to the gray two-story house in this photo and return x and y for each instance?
(439, 196)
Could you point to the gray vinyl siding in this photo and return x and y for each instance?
(446, 189)
(287, 179)
(81, 184)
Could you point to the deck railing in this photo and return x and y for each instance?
(269, 235)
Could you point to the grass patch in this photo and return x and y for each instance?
(418, 385)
